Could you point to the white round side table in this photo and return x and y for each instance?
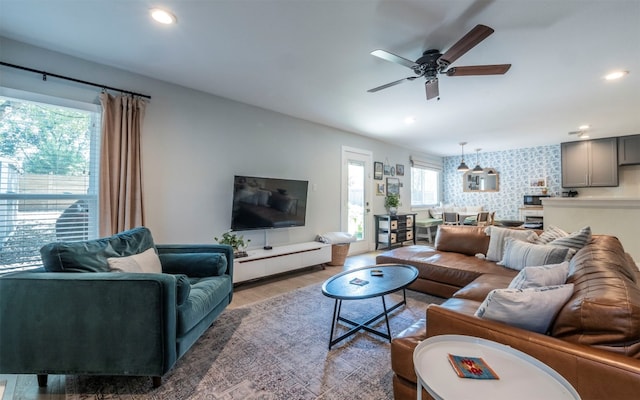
(521, 376)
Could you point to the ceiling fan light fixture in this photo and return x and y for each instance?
(462, 167)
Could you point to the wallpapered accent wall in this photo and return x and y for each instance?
(516, 169)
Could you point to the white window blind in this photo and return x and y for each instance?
(49, 151)
(426, 177)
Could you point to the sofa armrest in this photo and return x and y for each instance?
(192, 269)
(594, 373)
(91, 323)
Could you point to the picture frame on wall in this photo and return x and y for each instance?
(387, 169)
(380, 189)
(377, 170)
(538, 182)
(393, 186)
(400, 169)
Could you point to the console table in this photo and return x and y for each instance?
(395, 229)
(261, 263)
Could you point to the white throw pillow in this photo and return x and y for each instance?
(498, 236)
(519, 254)
(147, 261)
(545, 275)
(533, 309)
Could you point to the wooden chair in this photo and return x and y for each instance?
(492, 218)
(482, 219)
(450, 218)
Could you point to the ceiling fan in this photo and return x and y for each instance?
(433, 62)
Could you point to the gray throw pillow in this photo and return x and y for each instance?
(545, 275)
(551, 233)
(575, 240)
(533, 309)
(519, 254)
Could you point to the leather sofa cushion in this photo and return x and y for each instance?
(402, 347)
(92, 255)
(445, 267)
(604, 310)
(482, 285)
(469, 240)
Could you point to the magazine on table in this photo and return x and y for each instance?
(358, 281)
(471, 367)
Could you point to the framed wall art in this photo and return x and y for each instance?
(400, 169)
(393, 185)
(377, 170)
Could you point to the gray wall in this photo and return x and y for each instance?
(193, 144)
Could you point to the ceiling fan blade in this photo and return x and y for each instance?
(388, 85)
(431, 87)
(385, 55)
(468, 41)
(497, 69)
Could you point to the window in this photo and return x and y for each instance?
(425, 184)
(48, 175)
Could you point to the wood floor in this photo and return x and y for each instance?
(25, 387)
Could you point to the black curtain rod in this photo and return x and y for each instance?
(45, 74)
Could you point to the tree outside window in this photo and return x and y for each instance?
(48, 168)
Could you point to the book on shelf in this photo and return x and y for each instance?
(472, 367)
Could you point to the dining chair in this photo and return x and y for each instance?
(482, 219)
(450, 218)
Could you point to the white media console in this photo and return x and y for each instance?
(261, 263)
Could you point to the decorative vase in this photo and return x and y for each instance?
(393, 210)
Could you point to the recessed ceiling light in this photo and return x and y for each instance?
(163, 16)
(615, 75)
(583, 127)
(409, 120)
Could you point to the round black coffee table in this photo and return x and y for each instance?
(363, 283)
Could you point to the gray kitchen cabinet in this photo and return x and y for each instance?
(629, 150)
(590, 163)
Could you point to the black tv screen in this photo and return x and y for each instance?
(267, 203)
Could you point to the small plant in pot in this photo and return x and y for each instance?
(236, 241)
(391, 203)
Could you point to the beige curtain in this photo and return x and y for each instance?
(121, 205)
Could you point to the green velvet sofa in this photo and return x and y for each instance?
(75, 316)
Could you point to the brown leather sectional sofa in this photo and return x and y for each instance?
(594, 341)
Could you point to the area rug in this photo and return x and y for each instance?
(275, 349)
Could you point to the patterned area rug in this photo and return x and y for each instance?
(275, 349)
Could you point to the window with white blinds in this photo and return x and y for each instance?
(48, 175)
(426, 176)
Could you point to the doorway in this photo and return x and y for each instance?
(356, 197)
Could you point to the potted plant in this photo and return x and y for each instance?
(391, 203)
(236, 241)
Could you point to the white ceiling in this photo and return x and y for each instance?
(310, 59)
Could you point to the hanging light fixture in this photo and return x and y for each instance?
(477, 169)
(462, 167)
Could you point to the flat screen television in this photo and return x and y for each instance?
(268, 203)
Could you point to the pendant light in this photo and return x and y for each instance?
(477, 169)
(463, 167)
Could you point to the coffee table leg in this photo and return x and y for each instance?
(336, 314)
(386, 317)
